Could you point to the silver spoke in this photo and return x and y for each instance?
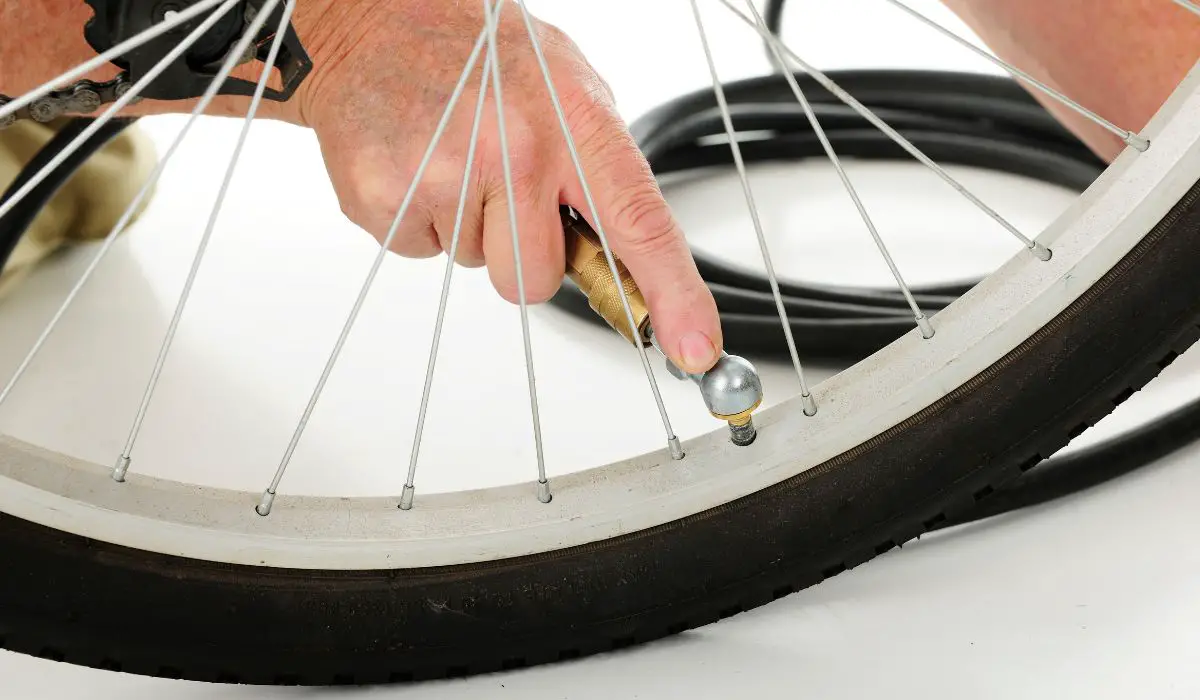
(1130, 138)
(406, 498)
(1040, 251)
(116, 107)
(493, 53)
(1189, 5)
(268, 497)
(122, 465)
(810, 406)
(210, 94)
(672, 440)
(105, 58)
(919, 316)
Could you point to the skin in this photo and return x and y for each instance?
(1121, 58)
(376, 59)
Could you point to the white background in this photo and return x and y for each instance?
(1090, 597)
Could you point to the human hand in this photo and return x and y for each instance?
(384, 72)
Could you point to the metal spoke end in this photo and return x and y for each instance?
(1041, 252)
(264, 505)
(676, 448)
(544, 494)
(406, 498)
(1137, 142)
(809, 404)
(120, 469)
(925, 326)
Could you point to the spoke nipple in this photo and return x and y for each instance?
(264, 505)
(406, 498)
(120, 469)
(544, 494)
(1137, 142)
(925, 326)
(1041, 252)
(809, 404)
(676, 448)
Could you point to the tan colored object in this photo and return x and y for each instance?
(742, 418)
(588, 268)
(87, 207)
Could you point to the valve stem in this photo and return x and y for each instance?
(742, 432)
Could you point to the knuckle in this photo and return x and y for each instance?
(554, 37)
(349, 208)
(591, 124)
(416, 242)
(645, 221)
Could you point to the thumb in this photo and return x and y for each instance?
(642, 231)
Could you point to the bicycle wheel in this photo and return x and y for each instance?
(242, 586)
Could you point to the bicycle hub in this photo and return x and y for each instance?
(732, 390)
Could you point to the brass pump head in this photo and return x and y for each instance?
(732, 390)
(588, 269)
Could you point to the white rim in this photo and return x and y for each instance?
(335, 533)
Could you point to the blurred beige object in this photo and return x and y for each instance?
(88, 205)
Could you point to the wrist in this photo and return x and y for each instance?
(329, 31)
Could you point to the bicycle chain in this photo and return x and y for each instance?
(83, 97)
(87, 96)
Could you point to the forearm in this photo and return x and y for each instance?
(1120, 58)
(43, 39)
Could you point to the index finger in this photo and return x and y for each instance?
(643, 233)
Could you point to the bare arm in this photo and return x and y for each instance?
(1122, 58)
(45, 38)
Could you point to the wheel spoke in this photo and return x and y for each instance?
(105, 58)
(1189, 5)
(919, 316)
(406, 499)
(672, 439)
(1130, 138)
(268, 497)
(810, 406)
(493, 52)
(256, 25)
(1040, 251)
(116, 107)
(106, 245)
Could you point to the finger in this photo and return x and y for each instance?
(469, 250)
(543, 254)
(644, 234)
(367, 194)
(414, 237)
(417, 241)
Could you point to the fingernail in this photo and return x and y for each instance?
(697, 352)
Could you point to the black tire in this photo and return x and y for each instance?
(68, 598)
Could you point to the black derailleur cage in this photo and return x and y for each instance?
(188, 77)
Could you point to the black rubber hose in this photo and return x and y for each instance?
(1092, 466)
(16, 222)
(773, 17)
(954, 118)
(971, 120)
